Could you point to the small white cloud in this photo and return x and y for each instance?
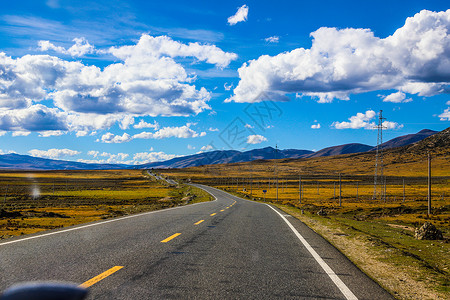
(80, 48)
(81, 133)
(109, 158)
(207, 148)
(391, 125)
(272, 39)
(143, 124)
(363, 120)
(190, 147)
(53, 153)
(315, 126)
(50, 133)
(46, 45)
(448, 102)
(213, 129)
(172, 131)
(269, 126)
(398, 97)
(111, 138)
(256, 139)
(240, 16)
(93, 153)
(147, 157)
(227, 87)
(248, 126)
(21, 133)
(445, 116)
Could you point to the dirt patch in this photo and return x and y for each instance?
(402, 227)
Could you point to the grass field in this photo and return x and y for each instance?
(377, 233)
(36, 201)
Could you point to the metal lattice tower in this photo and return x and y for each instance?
(379, 167)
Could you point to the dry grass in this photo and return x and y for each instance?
(75, 197)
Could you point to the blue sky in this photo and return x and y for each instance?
(139, 81)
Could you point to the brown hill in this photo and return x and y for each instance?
(438, 144)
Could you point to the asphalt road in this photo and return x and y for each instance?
(241, 250)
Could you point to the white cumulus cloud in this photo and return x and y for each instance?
(206, 148)
(108, 158)
(315, 126)
(21, 133)
(80, 48)
(148, 157)
(171, 131)
(144, 81)
(445, 116)
(239, 16)
(111, 138)
(415, 59)
(272, 39)
(53, 153)
(142, 124)
(256, 139)
(364, 120)
(398, 97)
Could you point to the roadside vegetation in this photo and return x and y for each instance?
(377, 234)
(36, 201)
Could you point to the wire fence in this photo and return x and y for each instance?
(334, 188)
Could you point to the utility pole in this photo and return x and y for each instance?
(379, 156)
(276, 170)
(300, 189)
(334, 191)
(403, 189)
(340, 191)
(429, 183)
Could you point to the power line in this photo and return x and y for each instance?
(379, 167)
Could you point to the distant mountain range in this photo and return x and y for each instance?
(226, 157)
(25, 162)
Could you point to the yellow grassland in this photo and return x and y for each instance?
(69, 198)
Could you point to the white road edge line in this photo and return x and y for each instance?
(337, 281)
(100, 223)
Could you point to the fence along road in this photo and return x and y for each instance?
(228, 248)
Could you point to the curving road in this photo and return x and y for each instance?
(229, 248)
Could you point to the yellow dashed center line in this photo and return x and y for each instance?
(100, 277)
(213, 214)
(170, 237)
(199, 222)
(222, 209)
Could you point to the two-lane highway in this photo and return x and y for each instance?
(228, 248)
